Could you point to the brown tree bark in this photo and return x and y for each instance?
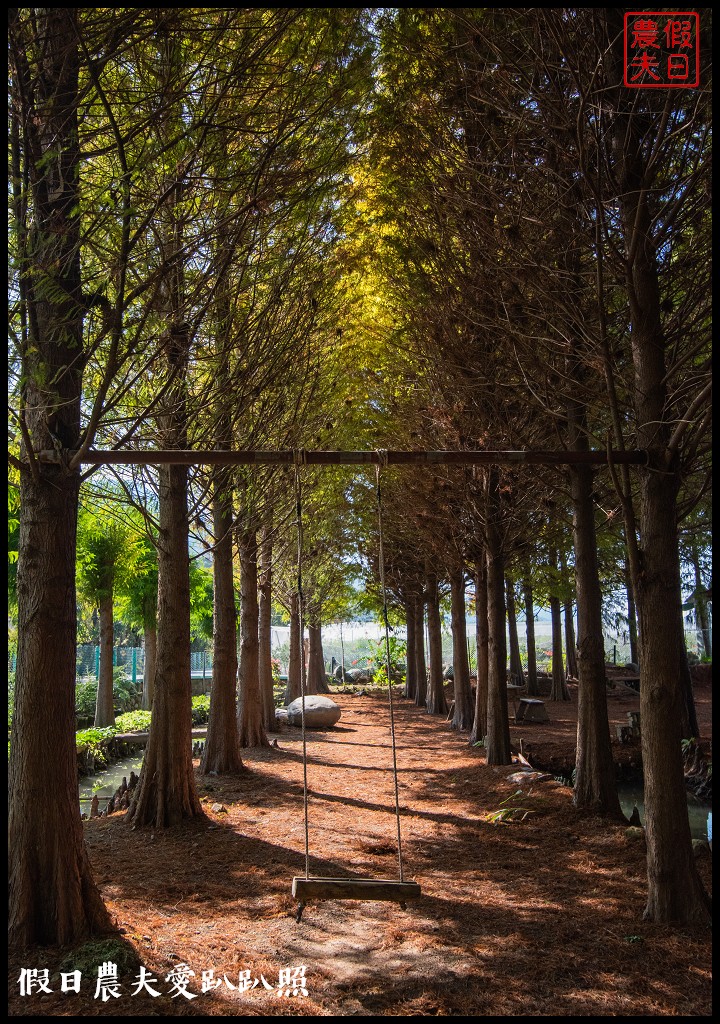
(251, 731)
(436, 703)
(532, 679)
(222, 746)
(675, 890)
(292, 690)
(571, 661)
(104, 706)
(149, 663)
(632, 616)
(558, 688)
(464, 711)
(316, 678)
(419, 652)
(595, 788)
(265, 631)
(689, 728)
(166, 793)
(479, 729)
(52, 897)
(410, 663)
(516, 670)
(701, 607)
(575, 415)
(497, 742)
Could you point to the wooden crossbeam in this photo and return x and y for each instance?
(538, 457)
(387, 889)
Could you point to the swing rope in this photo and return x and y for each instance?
(323, 888)
(382, 456)
(299, 460)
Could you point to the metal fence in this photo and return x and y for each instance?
(132, 659)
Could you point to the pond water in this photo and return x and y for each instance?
(631, 795)
(106, 782)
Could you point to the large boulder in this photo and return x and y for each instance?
(357, 675)
(320, 712)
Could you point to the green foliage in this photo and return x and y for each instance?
(137, 598)
(90, 955)
(378, 658)
(507, 814)
(201, 709)
(201, 602)
(105, 550)
(133, 721)
(126, 695)
(85, 700)
(93, 742)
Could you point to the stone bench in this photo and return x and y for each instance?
(530, 709)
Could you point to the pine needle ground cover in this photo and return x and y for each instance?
(535, 913)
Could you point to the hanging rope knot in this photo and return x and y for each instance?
(299, 457)
(382, 455)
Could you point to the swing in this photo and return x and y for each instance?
(306, 887)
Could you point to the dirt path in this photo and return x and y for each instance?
(533, 917)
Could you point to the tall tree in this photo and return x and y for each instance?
(105, 560)
(641, 136)
(52, 896)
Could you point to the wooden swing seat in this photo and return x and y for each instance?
(305, 889)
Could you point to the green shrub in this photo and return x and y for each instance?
(201, 709)
(127, 696)
(133, 721)
(92, 742)
(85, 700)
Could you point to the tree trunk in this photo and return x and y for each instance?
(104, 707)
(532, 680)
(595, 788)
(479, 729)
(497, 743)
(410, 665)
(436, 703)
(222, 748)
(316, 679)
(464, 711)
(675, 890)
(251, 730)
(150, 644)
(516, 670)
(558, 689)
(689, 728)
(52, 897)
(265, 631)
(701, 611)
(292, 690)
(166, 792)
(571, 661)
(632, 616)
(419, 651)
